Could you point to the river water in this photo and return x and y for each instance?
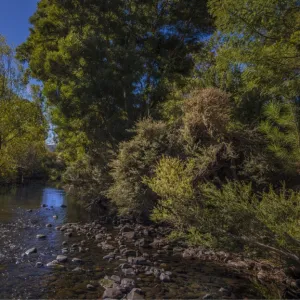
(22, 217)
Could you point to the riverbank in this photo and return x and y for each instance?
(46, 221)
(50, 248)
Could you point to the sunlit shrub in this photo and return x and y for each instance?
(137, 158)
(206, 114)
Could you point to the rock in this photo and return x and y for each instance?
(65, 251)
(65, 243)
(68, 234)
(54, 265)
(129, 271)
(238, 264)
(126, 228)
(29, 210)
(77, 260)
(143, 243)
(55, 217)
(129, 253)
(156, 272)
(63, 206)
(135, 294)
(125, 266)
(49, 225)
(31, 251)
(112, 293)
(61, 258)
(106, 283)
(115, 278)
(138, 261)
(106, 246)
(58, 228)
(40, 236)
(90, 287)
(99, 237)
(208, 296)
(157, 243)
(130, 235)
(39, 264)
(225, 291)
(127, 284)
(78, 269)
(164, 277)
(111, 255)
(44, 205)
(177, 250)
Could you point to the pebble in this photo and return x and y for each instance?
(116, 278)
(112, 293)
(40, 236)
(54, 264)
(77, 260)
(164, 277)
(128, 271)
(90, 287)
(61, 258)
(135, 294)
(39, 264)
(31, 251)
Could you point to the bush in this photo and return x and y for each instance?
(281, 128)
(90, 178)
(137, 158)
(206, 114)
(232, 214)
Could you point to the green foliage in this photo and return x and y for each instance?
(22, 139)
(109, 63)
(22, 124)
(211, 215)
(281, 128)
(173, 182)
(262, 38)
(136, 159)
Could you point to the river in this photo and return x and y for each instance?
(23, 217)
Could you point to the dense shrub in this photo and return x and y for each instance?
(91, 179)
(280, 126)
(206, 114)
(137, 158)
(228, 215)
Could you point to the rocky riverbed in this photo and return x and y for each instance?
(44, 255)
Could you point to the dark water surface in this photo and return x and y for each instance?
(20, 278)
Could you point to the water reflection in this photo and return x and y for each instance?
(53, 197)
(33, 196)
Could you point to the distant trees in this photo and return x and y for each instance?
(22, 124)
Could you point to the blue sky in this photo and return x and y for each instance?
(14, 23)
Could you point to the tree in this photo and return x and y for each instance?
(262, 39)
(22, 125)
(107, 63)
